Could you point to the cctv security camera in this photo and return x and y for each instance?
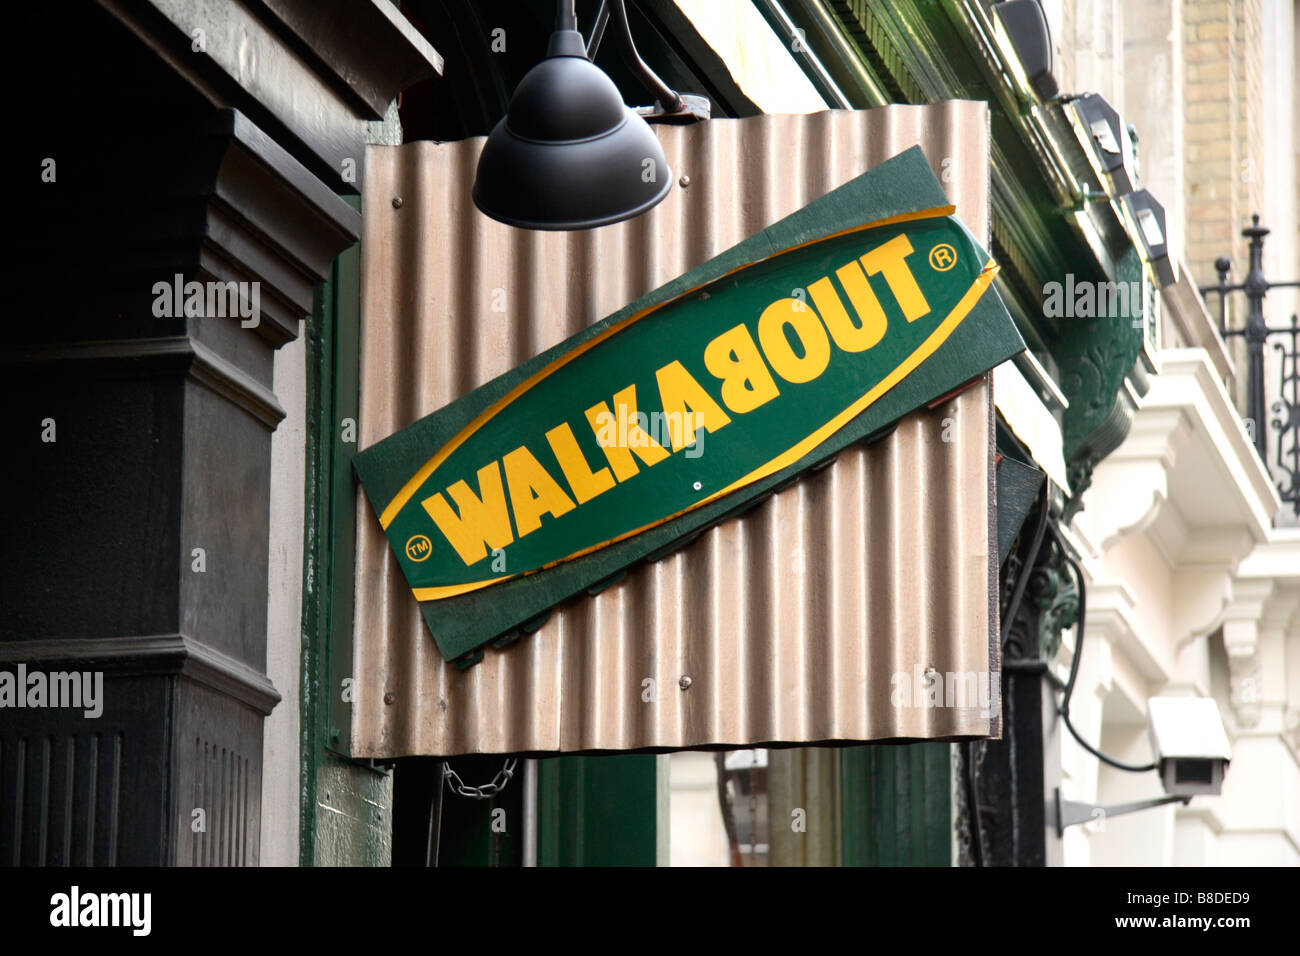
(1190, 745)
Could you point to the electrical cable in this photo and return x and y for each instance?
(1026, 569)
(598, 30)
(669, 99)
(1064, 709)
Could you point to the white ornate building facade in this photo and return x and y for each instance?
(1191, 557)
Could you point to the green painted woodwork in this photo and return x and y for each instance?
(897, 805)
(931, 53)
(345, 806)
(953, 331)
(1098, 350)
(598, 811)
(1043, 226)
(1019, 485)
(853, 75)
(875, 36)
(352, 819)
(1097, 355)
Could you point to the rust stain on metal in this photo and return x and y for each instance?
(794, 620)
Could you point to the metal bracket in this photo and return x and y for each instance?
(1070, 812)
(682, 108)
(1256, 332)
(694, 109)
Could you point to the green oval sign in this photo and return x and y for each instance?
(687, 406)
(684, 402)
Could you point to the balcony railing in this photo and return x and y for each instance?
(1256, 333)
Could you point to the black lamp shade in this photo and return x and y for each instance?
(1110, 143)
(569, 154)
(1026, 27)
(1153, 231)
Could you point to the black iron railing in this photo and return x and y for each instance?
(1256, 332)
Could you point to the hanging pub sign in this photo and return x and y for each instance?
(687, 406)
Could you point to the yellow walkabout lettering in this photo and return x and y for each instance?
(583, 482)
(483, 522)
(776, 345)
(890, 260)
(733, 358)
(619, 436)
(687, 405)
(847, 335)
(533, 492)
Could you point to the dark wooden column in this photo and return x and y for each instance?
(134, 498)
(144, 522)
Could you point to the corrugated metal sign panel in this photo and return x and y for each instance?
(788, 624)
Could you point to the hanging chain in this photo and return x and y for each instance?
(459, 786)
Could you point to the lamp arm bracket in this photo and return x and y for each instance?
(669, 100)
(566, 16)
(598, 30)
(696, 108)
(1070, 812)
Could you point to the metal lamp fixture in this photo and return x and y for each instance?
(1108, 140)
(1026, 28)
(1149, 216)
(569, 154)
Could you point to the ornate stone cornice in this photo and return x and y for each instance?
(1189, 481)
(1187, 473)
(1261, 639)
(1241, 621)
(1112, 618)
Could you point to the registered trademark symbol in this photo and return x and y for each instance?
(418, 547)
(943, 257)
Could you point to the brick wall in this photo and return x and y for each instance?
(1223, 107)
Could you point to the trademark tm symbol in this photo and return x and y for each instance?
(418, 547)
(943, 257)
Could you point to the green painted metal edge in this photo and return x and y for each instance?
(1096, 353)
(931, 50)
(344, 415)
(844, 63)
(897, 805)
(313, 706)
(356, 829)
(1019, 485)
(902, 185)
(598, 810)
